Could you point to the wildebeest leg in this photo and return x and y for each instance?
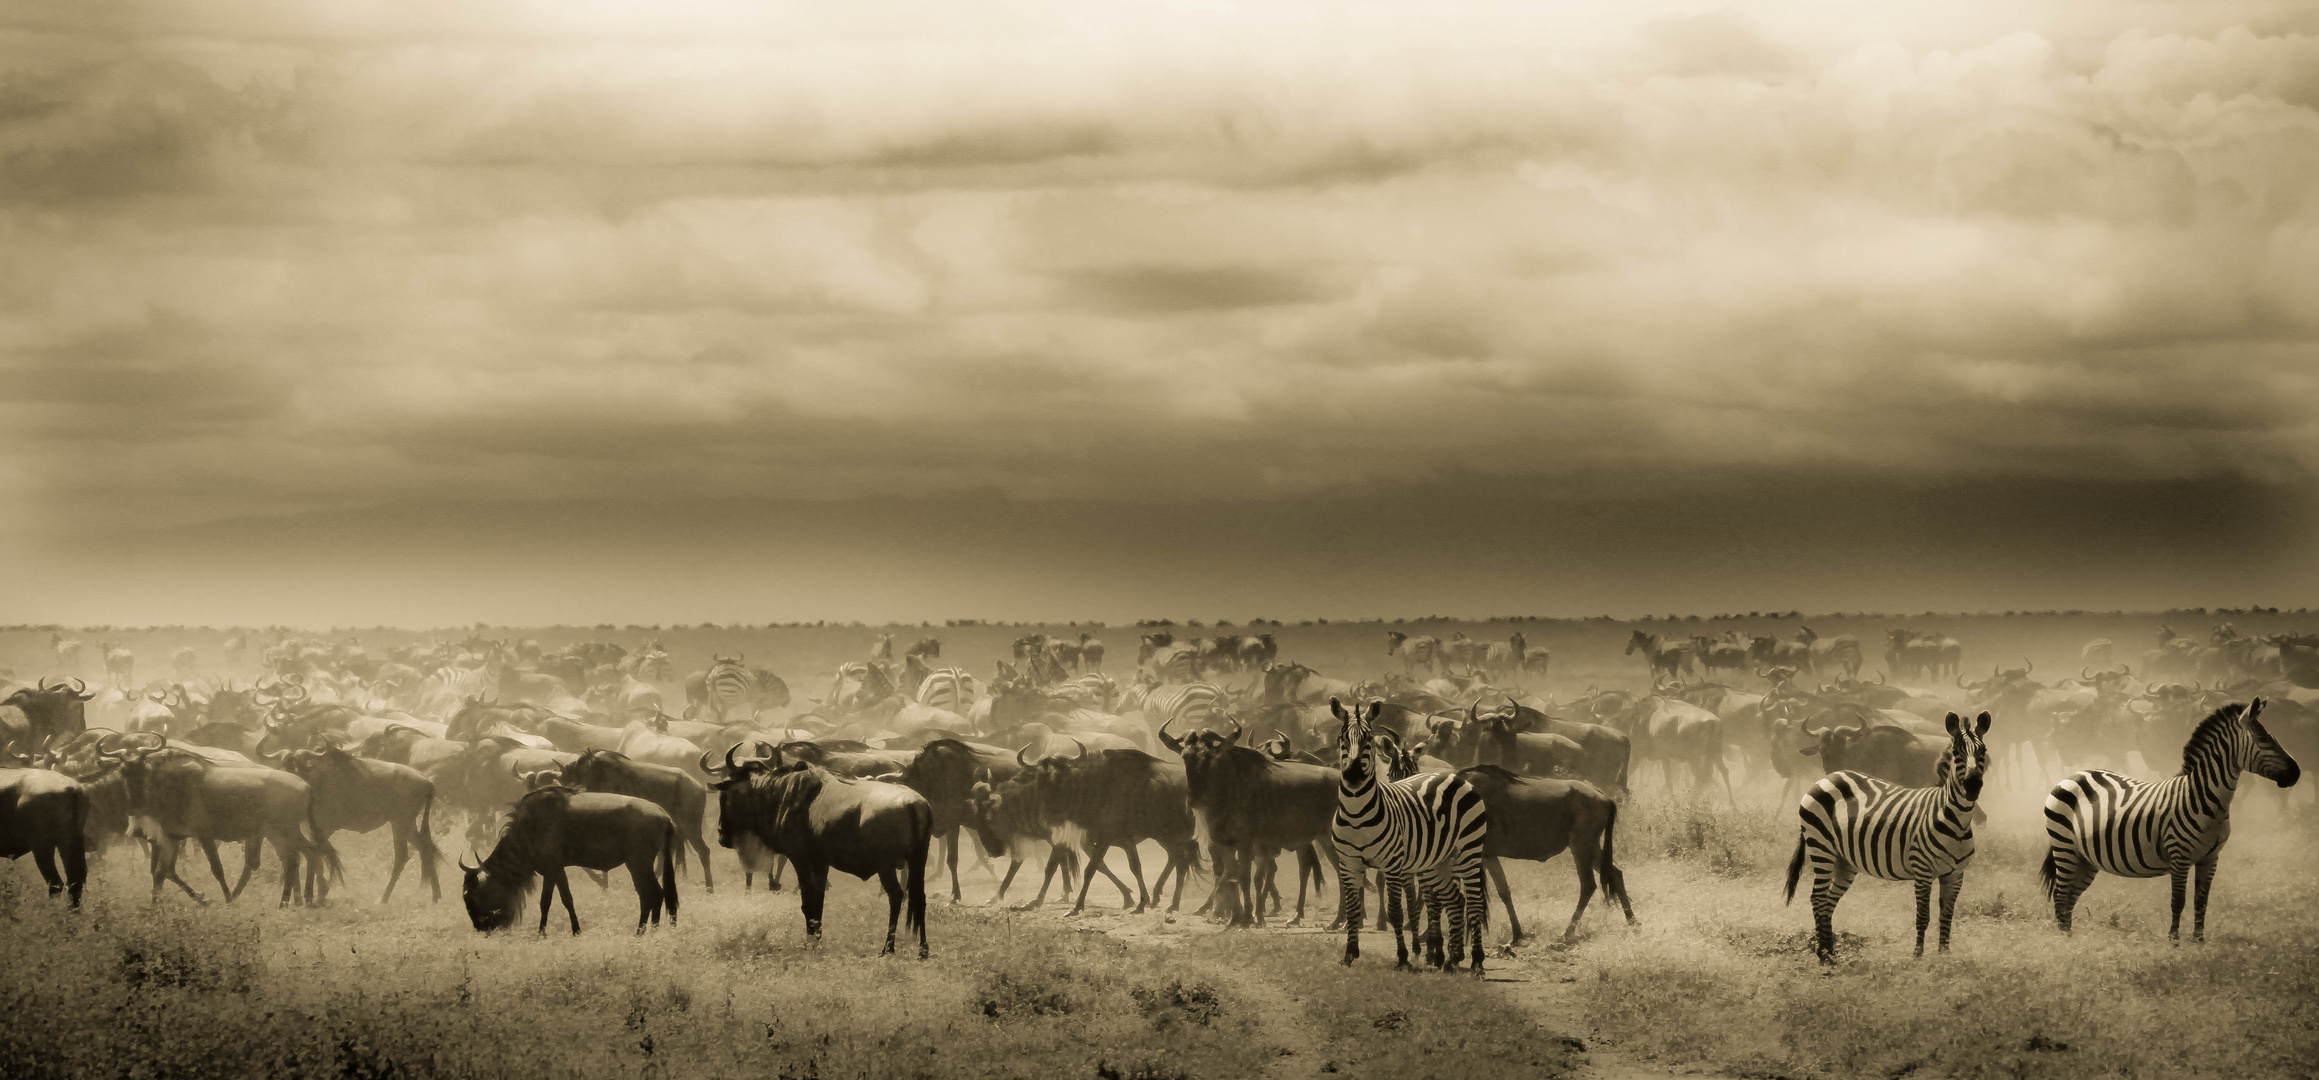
(76, 870)
(648, 897)
(1014, 863)
(700, 844)
(893, 886)
(812, 882)
(402, 833)
(44, 857)
(1497, 874)
(563, 884)
(949, 857)
(251, 852)
(1135, 870)
(216, 868)
(1724, 766)
(286, 851)
(163, 861)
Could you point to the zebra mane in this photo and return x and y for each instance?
(2212, 730)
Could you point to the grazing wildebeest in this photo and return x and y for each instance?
(821, 821)
(672, 789)
(1536, 819)
(945, 772)
(1118, 798)
(179, 795)
(553, 827)
(1252, 807)
(357, 794)
(45, 814)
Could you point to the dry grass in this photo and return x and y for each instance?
(1721, 974)
(410, 991)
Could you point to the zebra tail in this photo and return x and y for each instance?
(1795, 868)
(2046, 873)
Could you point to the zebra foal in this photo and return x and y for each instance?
(1855, 822)
(1429, 828)
(2100, 821)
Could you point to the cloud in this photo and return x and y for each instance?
(268, 258)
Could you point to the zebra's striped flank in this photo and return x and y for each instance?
(947, 688)
(1428, 828)
(2101, 822)
(1853, 822)
(728, 687)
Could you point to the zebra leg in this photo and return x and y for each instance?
(2205, 882)
(2181, 876)
(1477, 905)
(1396, 895)
(1924, 912)
(1827, 888)
(1952, 883)
(1349, 883)
(2071, 877)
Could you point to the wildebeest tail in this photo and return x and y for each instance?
(1795, 868)
(671, 847)
(921, 839)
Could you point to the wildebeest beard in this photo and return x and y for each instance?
(792, 789)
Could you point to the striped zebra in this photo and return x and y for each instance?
(2099, 821)
(727, 687)
(947, 688)
(1190, 706)
(1853, 822)
(1429, 827)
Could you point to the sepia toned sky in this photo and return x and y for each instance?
(428, 312)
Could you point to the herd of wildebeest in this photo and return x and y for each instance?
(1426, 771)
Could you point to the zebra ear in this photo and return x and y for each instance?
(1954, 723)
(1981, 726)
(1338, 707)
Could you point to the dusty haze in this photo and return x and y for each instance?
(427, 313)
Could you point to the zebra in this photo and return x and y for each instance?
(1853, 822)
(2101, 821)
(947, 688)
(1429, 827)
(727, 686)
(1192, 705)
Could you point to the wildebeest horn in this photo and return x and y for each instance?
(463, 861)
(2032, 665)
(78, 686)
(1284, 739)
(2085, 674)
(1174, 745)
(2126, 670)
(1082, 749)
(1960, 680)
(1025, 762)
(1806, 728)
(1235, 736)
(1880, 681)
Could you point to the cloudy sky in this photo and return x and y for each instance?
(437, 310)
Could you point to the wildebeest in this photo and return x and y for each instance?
(1496, 739)
(554, 827)
(357, 794)
(50, 712)
(1673, 730)
(1604, 752)
(821, 821)
(1536, 819)
(1009, 813)
(1118, 798)
(1252, 808)
(945, 772)
(44, 814)
(179, 795)
(684, 798)
(1869, 746)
